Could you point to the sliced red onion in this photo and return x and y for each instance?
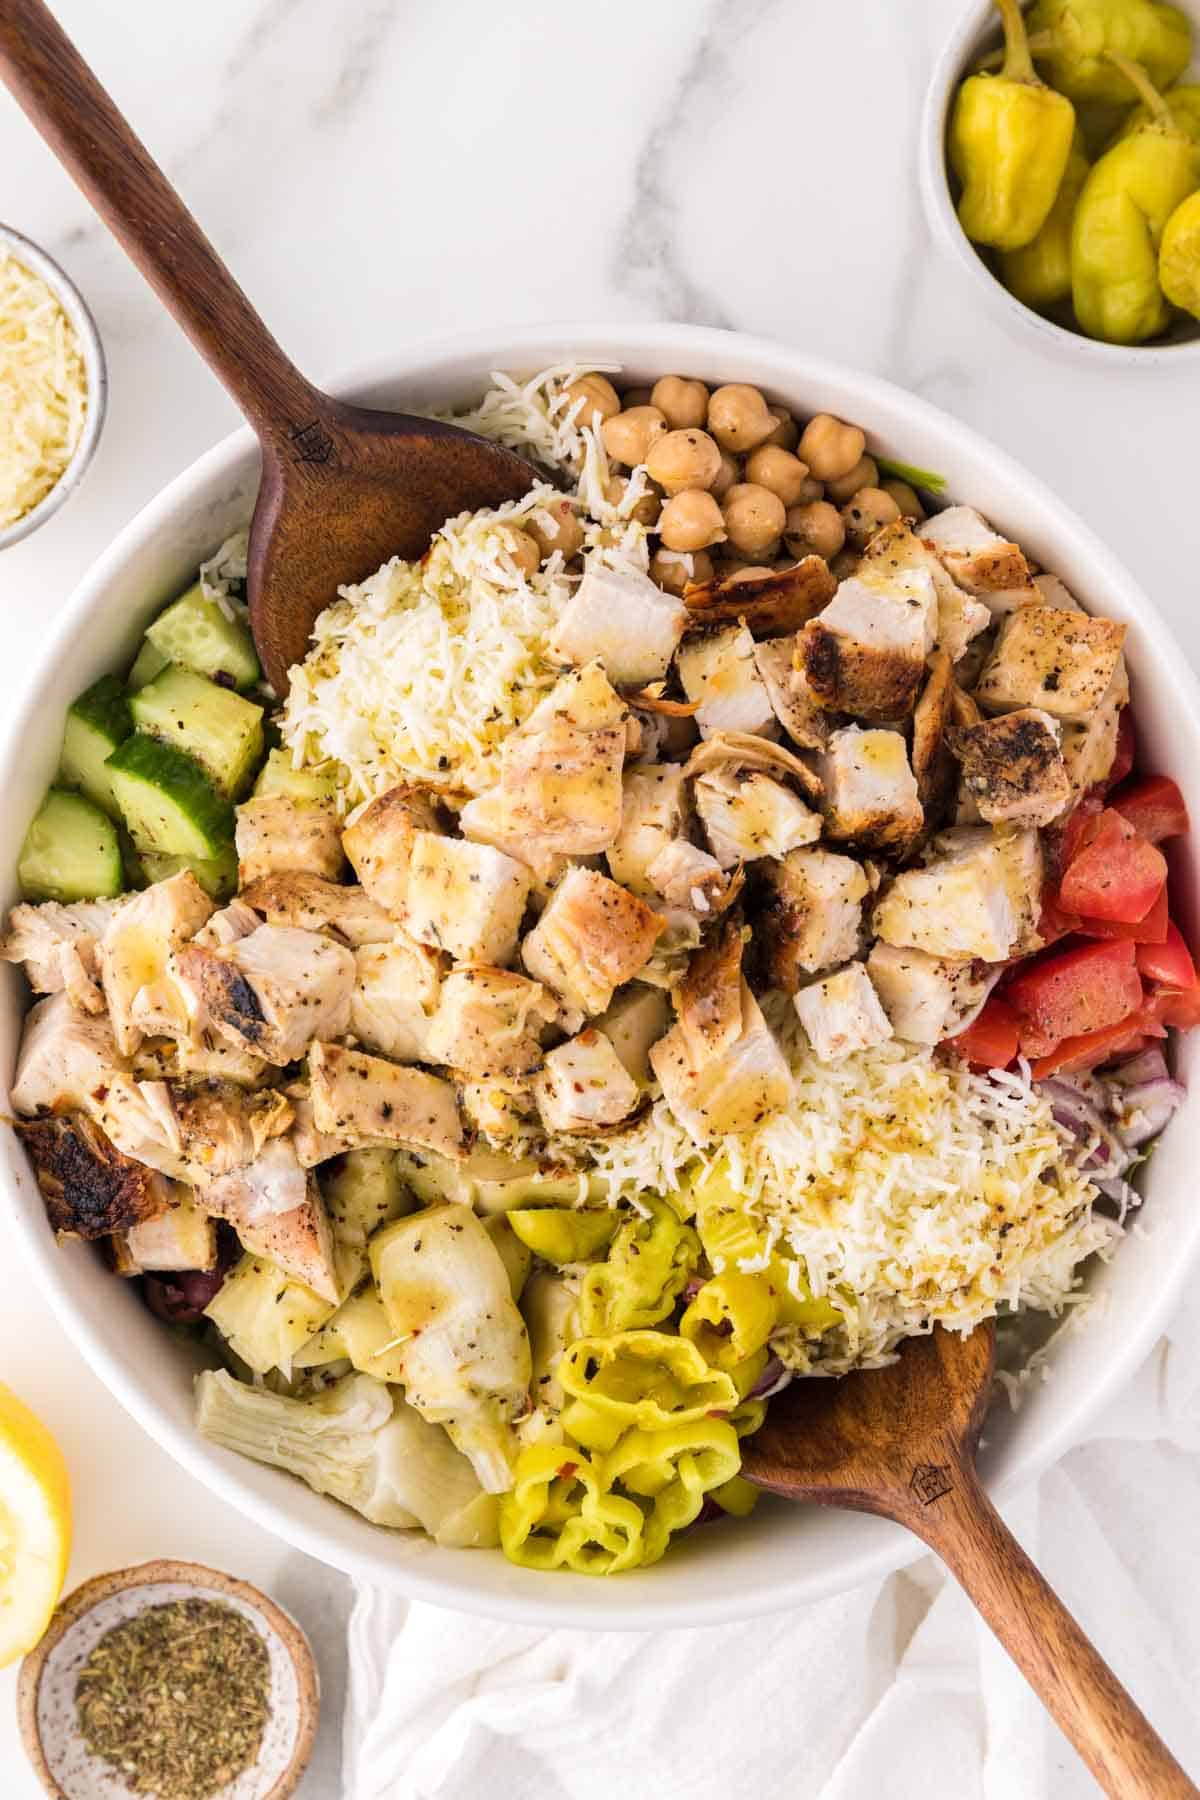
(1124, 1197)
(1147, 1065)
(1077, 1113)
(1142, 1110)
(774, 1378)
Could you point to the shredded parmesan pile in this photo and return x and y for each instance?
(43, 390)
(423, 670)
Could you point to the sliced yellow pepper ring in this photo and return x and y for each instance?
(675, 1468)
(559, 1514)
(647, 1269)
(641, 1380)
(559, 1234)
(730, 1318)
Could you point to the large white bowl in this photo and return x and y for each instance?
(782, 1555)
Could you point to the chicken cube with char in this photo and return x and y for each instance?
(865, 654)
(584, 1086)
(652, 809)
(806, 723)
(277, 1210)
(192, 1131)
(57, 945)
(965, 902)
(812, 919)
(633, 1024)
(622, 620)
(1089, 749)
(979, 559)
(275, 832)
(592, 938)
(177, 1240)
(747, 815)
(927, 998)
(91, 1189)
(363, 1100)
(1063, 662)
(685, 876)
(841, 1013)
(870, 790)
(465, 898)
(136, 947)
(271, 1183)
(65, 1055)
(719, 671)
(489, 1023)
(396, 988)
(272, 992)
(310, 903)
(960, 618)
(228, 924)
(1013, 767)
(378, 839)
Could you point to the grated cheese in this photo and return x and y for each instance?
(43, 390)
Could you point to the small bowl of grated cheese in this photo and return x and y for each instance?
(53, 387)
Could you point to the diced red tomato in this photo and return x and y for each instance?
(1054, 923)
(1154, 807)
(1169, 962)
(1073, 994)
(1150, 930)
(990, 1041)
(1114, 874)
(1126, 750)
(1179, 1007)
(1075, 1055)
(1063, 840)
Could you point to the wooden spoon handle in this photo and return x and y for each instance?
(1111, 1734)
(132, 195)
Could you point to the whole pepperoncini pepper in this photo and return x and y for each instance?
(1184, 102)
(1010, 137)
(1179, 256)
(1040, 273)
(1120, 219)
(1073, 39)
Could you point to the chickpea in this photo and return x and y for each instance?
(830, 447)
(906, 498)
(812, 490)
(866, 513)
(635, 396)
(563, 533)
(844, 487)
(814, 530)
(844, 563)
(786, 434)
(778, 470)
(629, 435)
(731, 473)
(739, 418)
(645, 509)
(523, 549)
(670, 569)
(754, 517)
(691, 521)
(683, 460)
(683, 403)
(598, 395)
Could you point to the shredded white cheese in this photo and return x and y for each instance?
(43, 390)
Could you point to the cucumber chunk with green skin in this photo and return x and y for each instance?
(223, 732)
(70, 852)
(194, 632)
(96, 723)
(312, 786)
(168, 802)
(217, 875)
(148, 663)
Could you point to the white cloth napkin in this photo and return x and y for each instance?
(892, 1690)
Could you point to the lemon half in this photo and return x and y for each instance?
(35, 1526)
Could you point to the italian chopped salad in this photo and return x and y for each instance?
(700, 925)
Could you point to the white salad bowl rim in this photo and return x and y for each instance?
(737, 1569)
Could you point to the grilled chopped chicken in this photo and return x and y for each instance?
(465, 898)
(806, 723)
(927, 997)
(685, 876)
(637, 1018)
(272, 992)
(979, 559)
(501, 1110)
(1053, 592)
(228, 924)
(960, 618)
(395, 996)
(841, 1013)
(747, 815)
(181, 1238)
(297, 1236)
(486, 820)
(57, 945)
(1090, 749)
(1063, 662)
(193, 1131)
(766, 601)
(363, 1100)
(592, 938)
(312, 1146)
(378, 839)
(1013, 767)
(741, 750)
(584, 1086)
(489, 1023)
(134, 953)
(932, 764)
(870, 791)
(273, 1183)
(275, 832)
(962, 903)
(652, 809)
(1021, 854)
(65, 1055)
(91, 1190)
(621, 620)
(720, 672)
(813, 916)
(310, 903)
(866, 652)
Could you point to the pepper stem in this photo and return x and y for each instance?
(1040, 44)
(1145, 89)
(1018, 62)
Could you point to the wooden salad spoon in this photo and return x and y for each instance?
(343, 487)
(901, 1442)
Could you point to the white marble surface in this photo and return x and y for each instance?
(375, 170)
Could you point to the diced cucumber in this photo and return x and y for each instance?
(96, 723)
(167, 801)
(148, 663)
(277, 776)
(223, 732)
(217, 875)
(194, 632)
(70, 852)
